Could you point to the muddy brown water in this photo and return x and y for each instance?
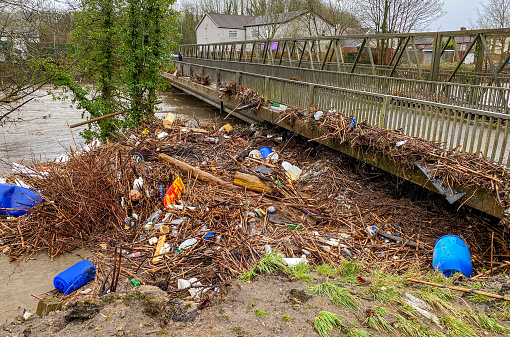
(41, 131)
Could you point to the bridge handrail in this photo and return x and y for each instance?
(470, 130)
(499, 95)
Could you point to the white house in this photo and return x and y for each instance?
(214, 28)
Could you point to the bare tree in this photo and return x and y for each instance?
(29, 30)
(400, 15)
(493, 14)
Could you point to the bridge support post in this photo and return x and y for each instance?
(384, 111)
(311, 93)
(266, 89)
(238, 77)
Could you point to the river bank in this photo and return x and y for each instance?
(40, 132)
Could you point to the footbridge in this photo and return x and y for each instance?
(452, 88)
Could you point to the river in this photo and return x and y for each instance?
(41, 131)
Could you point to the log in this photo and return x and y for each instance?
(251, 183)
(197, 173)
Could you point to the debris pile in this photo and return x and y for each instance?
(247, 96)
(193, 205)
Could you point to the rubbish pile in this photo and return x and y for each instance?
(180, 204)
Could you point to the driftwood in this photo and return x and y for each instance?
(197, 173)
(251, 182)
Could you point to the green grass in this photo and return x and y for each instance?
(376, 320)
(340, 297)
(326, 270)
(349, 271)
(440, 298)
(286, 318)
(411, 328)
(489, 324)
(268, 264)
(358, 333)
(260, 313)
(299, 272)
(505, 305)
(408, 311)
(458, 328)
(327, 321)
(477, 298)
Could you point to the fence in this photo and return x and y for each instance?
(469, 130)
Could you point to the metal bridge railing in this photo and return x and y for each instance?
(469, 130)
(488, 98)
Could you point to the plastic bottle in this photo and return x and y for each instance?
(157, 215)
(74, 277)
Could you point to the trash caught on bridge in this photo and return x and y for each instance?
(207, 205)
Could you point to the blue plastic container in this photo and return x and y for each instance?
(451, 255)
(16, 200)
(265, 151)
(74, 277)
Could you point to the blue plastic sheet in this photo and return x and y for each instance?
(16, 200)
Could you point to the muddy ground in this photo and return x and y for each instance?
(268, 306)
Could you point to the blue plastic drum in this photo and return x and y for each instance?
(75, 277)
(451, 255)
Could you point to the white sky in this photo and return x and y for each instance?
(458, 13)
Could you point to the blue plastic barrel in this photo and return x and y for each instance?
(16, 200)
(74, 277)
(451, 255)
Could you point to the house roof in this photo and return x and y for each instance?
(228, 21)
(243, 21)
(274, 18)
(357, 31)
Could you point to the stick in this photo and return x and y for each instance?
(97, 119)
(231, 112)
(39, 298)
(466, 290)
(197, 173)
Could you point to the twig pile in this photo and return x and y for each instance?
(323, 215)
(246, 96)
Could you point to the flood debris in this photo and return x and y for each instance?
(208, 229)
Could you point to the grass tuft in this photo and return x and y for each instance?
(326, 270)
(358, 333)
(327, 321)
(268, 264)
(490, 324)
(286, 318)
(299, 272)
(260, 313)
(376, 321)
(458, 328)
(349, 271)
(340, 297)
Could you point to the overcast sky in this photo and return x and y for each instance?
(458, 13)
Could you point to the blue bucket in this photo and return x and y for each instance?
(74, 277)
(451, 255)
